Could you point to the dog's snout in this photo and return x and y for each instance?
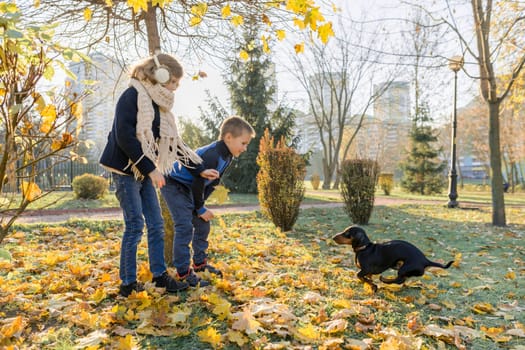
(341, 238)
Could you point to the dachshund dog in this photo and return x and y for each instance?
(373, 258)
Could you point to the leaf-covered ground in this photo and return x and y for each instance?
(295, 290)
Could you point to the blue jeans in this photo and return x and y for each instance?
(189, 228)
(139, 203)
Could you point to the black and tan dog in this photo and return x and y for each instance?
(373, 258)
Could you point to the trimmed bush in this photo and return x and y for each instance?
(89, 186)
(386, 182)
(280, 182)
(315, 181)
(358, 181)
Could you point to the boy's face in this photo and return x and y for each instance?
(239, 144)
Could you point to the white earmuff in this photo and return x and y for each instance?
(162, 73)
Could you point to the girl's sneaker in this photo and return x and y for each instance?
(126, 290)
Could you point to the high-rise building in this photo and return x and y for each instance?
(106, 78)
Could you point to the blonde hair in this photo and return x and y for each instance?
(235, 126)
(145, 69)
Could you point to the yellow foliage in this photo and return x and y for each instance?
(237, 20)
(281, 34)
(210, 335)
(226, 11)
(30, 190)
(12, 328)
(246, 322)
(199, 10)
(244, 55)
(138, 5)
(266, 48)
(88, 14)
(195, 21)
(299, 48)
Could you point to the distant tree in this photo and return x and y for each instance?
(37, 130)
(422, 169)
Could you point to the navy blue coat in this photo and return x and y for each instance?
(123, 145)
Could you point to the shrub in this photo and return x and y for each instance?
(315, 181)
(89, 186)
(358, 180)
(280, 182)
(386, 182)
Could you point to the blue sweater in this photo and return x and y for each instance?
(123, 145)
(217, 156)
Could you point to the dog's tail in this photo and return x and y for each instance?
(435, 264)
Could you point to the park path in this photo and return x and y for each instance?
(54, 216)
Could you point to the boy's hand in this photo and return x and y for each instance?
(207, 215)
(210, 174)
(157, 178)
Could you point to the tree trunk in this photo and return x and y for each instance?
(327, 175)
(150, 19)
(498, 202)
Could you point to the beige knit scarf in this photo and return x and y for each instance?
(169, 147)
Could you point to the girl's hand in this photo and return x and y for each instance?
(210, 174)
(157, 178)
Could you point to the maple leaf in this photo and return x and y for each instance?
(299, 48)
(237, 20)
(281, 34)
(226, 11)
(308, 333)
(12, 327)
(334, 326)
(88, 14)
(138, 5)
(210, 335)
(30, 190)
(246, 322)
(237, 337)
(244, 55)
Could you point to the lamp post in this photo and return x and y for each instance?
(455, 64)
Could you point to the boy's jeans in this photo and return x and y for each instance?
(139, 202)
(189, 228)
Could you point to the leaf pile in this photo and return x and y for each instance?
(293, 290)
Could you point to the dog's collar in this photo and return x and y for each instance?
(363, 247)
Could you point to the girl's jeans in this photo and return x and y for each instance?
(139, 202)
(189, 228)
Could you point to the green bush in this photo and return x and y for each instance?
(89, 186)
(315, 181)
(358, 181)
(280, 182)
(386, 182)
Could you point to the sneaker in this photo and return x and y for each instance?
(168, 282)
(192, 279)
(126, 290)
(205, 267)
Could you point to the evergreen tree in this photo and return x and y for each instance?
(422, 169)
(251, 93)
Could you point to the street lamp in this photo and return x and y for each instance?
(455, 64)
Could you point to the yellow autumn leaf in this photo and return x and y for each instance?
(56, 145)
(88, 14)
(483, 308)
(126, 343)
(297, 6)
(266, 48)
(76, 109)
(48, 118)
(160, 3)
(30, 190)
(334, 326)
(36, 3)
(266, 20)
(299, 48)
(99, 295)
(281, 34)
(237, 337)
(138, 5)
(12, 327)
(237, 20)
(299, 23)
(313, 17)
(40, 104)
(457, 260)
(244, 55)
(195, 21)
(309, 332)
(109, 3)
(210, 335)
(200, 9)
(325, 31)
(511, 275)
(226, 11)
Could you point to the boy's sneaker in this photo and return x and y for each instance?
(126, 290)
(192, 279)
(168, 282)
(206, 267)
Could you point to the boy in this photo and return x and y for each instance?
(186, 191)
